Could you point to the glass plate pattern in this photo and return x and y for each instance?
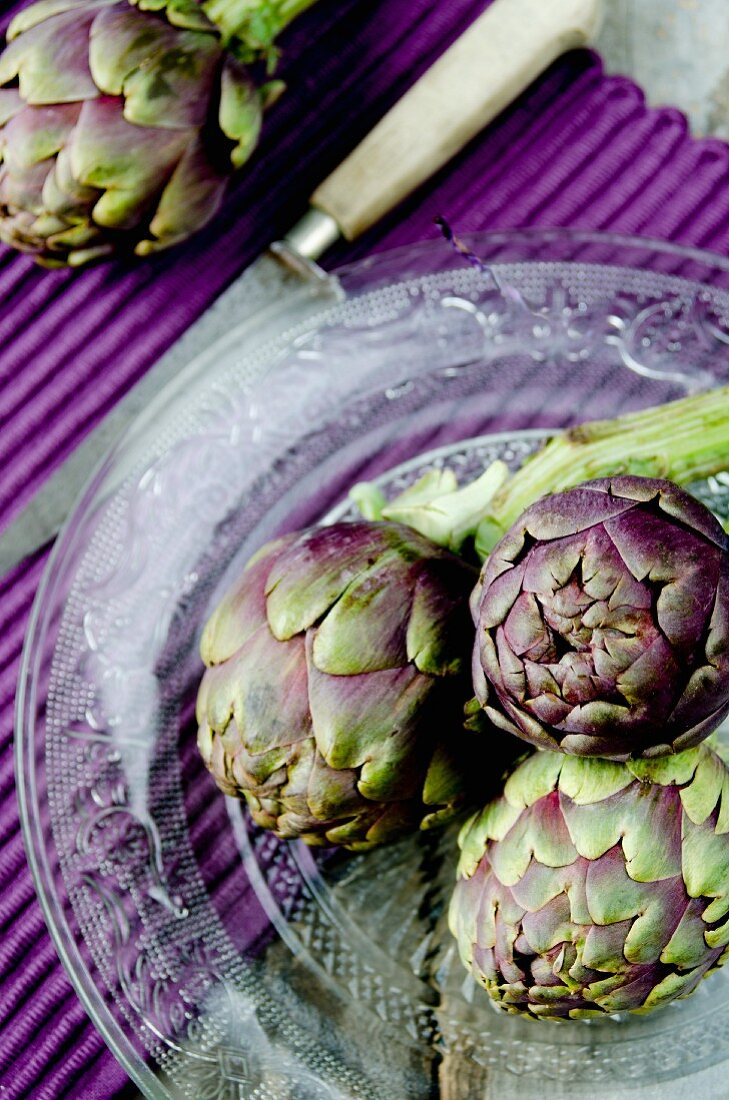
(159, 896)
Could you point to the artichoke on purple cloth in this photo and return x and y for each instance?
(591, 887)
(120, 126)
(602, 621)
(333, 701)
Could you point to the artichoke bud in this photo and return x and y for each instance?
(591, 887)
(602, 621)
(121, 124)
(336, 682)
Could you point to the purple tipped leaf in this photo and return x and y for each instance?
(332, 793)
(706, 868)
(524, 627)
(717, 642)
(650, 679)
(355, 717)
(540, 884)
(72, 198)
(550, 565)
(550, 926)
(22, 187)
(689, 511)
(498, 596)
(646, 820)
(166, 75)
(567, 514)
(315, 571)
(687, 946)
(242, 610)
(603, 946)
(674, 986)
(504, 948)
(547, 707)
(51, 60)
(190, 199)
(628, 995)
(271, 706)
(605, 577)
(44, 9)
(107, 151)
(240, 113)
(366, 629)
(439, 619)
(664, 904)
(10, 104)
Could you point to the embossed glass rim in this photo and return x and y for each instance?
(480, 243)
(392, 264)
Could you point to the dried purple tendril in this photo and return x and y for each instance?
(508, 292)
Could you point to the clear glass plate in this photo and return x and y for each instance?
(216, 960)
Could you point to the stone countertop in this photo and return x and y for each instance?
(678, 51)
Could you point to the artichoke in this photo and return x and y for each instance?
(337, 677)
(592, 887)
(120, 126)
(602, 621)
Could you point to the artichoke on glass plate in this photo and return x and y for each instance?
(602, 621)
(121, 125)
(333, 701)
(592, 887)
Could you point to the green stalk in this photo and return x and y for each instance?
(683, 441)
(251, 27)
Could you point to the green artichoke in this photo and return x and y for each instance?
(121, 126)
(591, 887)
(337, 676)
(602, 621)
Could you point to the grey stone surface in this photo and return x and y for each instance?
(678, 51)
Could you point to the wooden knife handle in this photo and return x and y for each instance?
(499, 55)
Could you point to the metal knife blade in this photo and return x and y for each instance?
(280, 288)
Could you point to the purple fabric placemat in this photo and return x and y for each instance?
(578, 149)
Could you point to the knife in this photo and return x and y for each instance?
(496, 58)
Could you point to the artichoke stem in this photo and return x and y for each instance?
(683, 441)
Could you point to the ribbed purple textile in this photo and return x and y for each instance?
(577, 149)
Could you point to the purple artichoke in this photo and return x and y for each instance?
(121, 126)
(602, 621)
(337, 677)
(591, 887)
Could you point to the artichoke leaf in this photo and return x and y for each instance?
(366, 629)
(50, 59)
(240, 112)
(706, 868)
(369, 721)
(534, 778)
(687, 946)
(491, 823)
(586, 780)
(671, 988)
(701, 795)
(314, 572)
(191, 197)
(439, 618)
(678, 768)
